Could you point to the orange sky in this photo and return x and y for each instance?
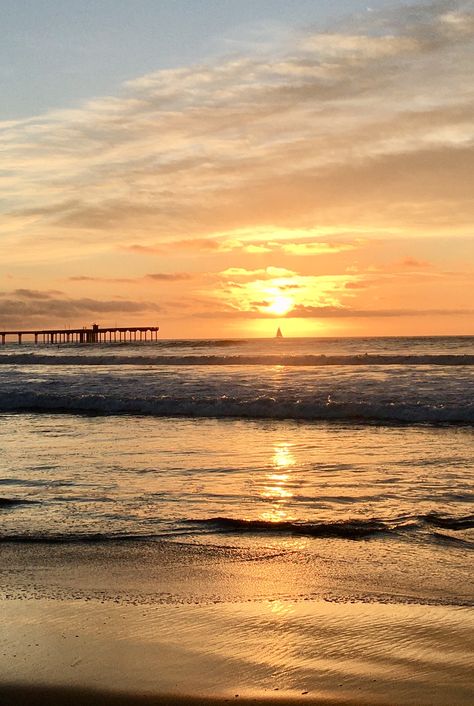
(324, 185)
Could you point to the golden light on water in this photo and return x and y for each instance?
(279, 476)
(275, 515)
(277, 486)
(282, 456)
(276, 490)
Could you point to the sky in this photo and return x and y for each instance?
(225, 167)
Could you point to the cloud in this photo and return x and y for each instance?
(400, 268)
(413, 263)
(200, 244)
(367, 126)
(169, 276)
(18, 308)
(204, 245)
(265, 273)
(279, 288)
(156, 276)
(109, 280)
(316, 247)
(331, 312)
(262, 241)
(143, 249)
(357, 285)
(36, 294)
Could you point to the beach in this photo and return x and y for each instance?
(136, 648)
(175, 531)
(146, 648)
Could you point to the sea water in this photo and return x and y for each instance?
(356, 454)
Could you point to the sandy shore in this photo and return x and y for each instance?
(125, 625)
(41, 696)
(78, 651)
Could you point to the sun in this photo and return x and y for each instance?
(280, 305)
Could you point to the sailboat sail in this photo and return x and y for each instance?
(279, 333)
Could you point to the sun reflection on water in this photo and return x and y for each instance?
(282, 456)
(276, 514)
(278, 485)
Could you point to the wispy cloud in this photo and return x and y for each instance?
(143, 249)
(35, 294)
(327, 134)
(255, 242)
(169, 276)
(107, 280)
(266, 273)
(154, 276)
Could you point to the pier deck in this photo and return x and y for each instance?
(94, 334)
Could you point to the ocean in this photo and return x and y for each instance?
(349, 460)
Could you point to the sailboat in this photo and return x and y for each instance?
(279, 333)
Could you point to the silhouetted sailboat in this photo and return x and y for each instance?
(279, 333)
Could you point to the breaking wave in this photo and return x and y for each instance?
(345, 529)
(352, 529)
(259, 407)
(367, 359)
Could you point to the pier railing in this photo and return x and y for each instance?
(94, 334)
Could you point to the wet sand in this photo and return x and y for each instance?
(40, 696)
(187, 624)
(91, 651)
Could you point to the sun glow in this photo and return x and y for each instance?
(280, 305)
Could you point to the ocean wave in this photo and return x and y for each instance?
(366, 359)
(344, 529)
(351, 529)
(259, 407)
(447, 522)
(15, 502)
(203, 343)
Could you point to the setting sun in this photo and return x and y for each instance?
(280, 305)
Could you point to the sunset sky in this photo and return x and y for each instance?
(225, 167)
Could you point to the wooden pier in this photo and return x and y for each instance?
(94, 334)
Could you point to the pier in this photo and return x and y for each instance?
(94, 334)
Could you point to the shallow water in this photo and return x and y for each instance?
(68, 476)
(108, 442)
